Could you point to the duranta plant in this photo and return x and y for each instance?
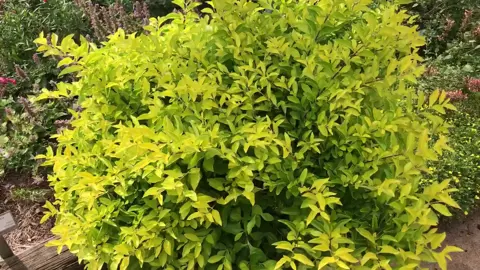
(263, 135)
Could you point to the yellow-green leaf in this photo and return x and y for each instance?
(281, 262)
(192, 237)
(433, 97)
(217, 217)
(442, 209)
(366, 234)
(215, 258)
(303, 259)
(250, 196)
(167, 246)
(368, 256)
(153, 191)
(389, 250)
(325, 261)
(194, 177)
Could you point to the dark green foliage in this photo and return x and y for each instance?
(434, 17)
(452, 31)
(22, 20)
(160, 7)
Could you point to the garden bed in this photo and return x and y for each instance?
(24, 197)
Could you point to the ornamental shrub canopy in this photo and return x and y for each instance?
(259, 135)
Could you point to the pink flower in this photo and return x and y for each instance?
(44, 1)
(476, 32)
(473, 84)
(431, 71)
(446, 30)
(4, 80)
(466, 19)
(456, 95)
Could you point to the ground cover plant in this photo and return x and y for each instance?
(452, 29)
(262, 135)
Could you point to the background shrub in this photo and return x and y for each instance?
(26, 128)
(452, 30)
(105, 20)
(212, 142)
(446, 22)
(22, 20)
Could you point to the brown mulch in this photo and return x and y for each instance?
(28, 214)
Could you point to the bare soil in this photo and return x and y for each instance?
(465, 234)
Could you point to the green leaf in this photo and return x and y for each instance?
(450, 249)
(281, 262)
(250, 196)
(238, 236)
(448, 200)
(125, 263)
(122, 249)
(217, 217)
(326, 261)
(215, 258)
(167, 247)
(284, 245)
(311, 216)
(421, 98)
(45, 218)
(441, 261)
(208, 164)
(65, 61)
(194, 177)
(442, 209)
(367, 257)
(366, 234)
(153, 191)
(468, 68)
(389, 250)
(433, 97)
(250, 225)
(342, 265)
(192, 237)
(303, 176)
(404, 2)
(267, 217)
(303, 259)
(216, 183)
(70, 69)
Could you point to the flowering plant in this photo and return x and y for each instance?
(4, 80)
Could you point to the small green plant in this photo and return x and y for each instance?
(263, 135)
(31, 194)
